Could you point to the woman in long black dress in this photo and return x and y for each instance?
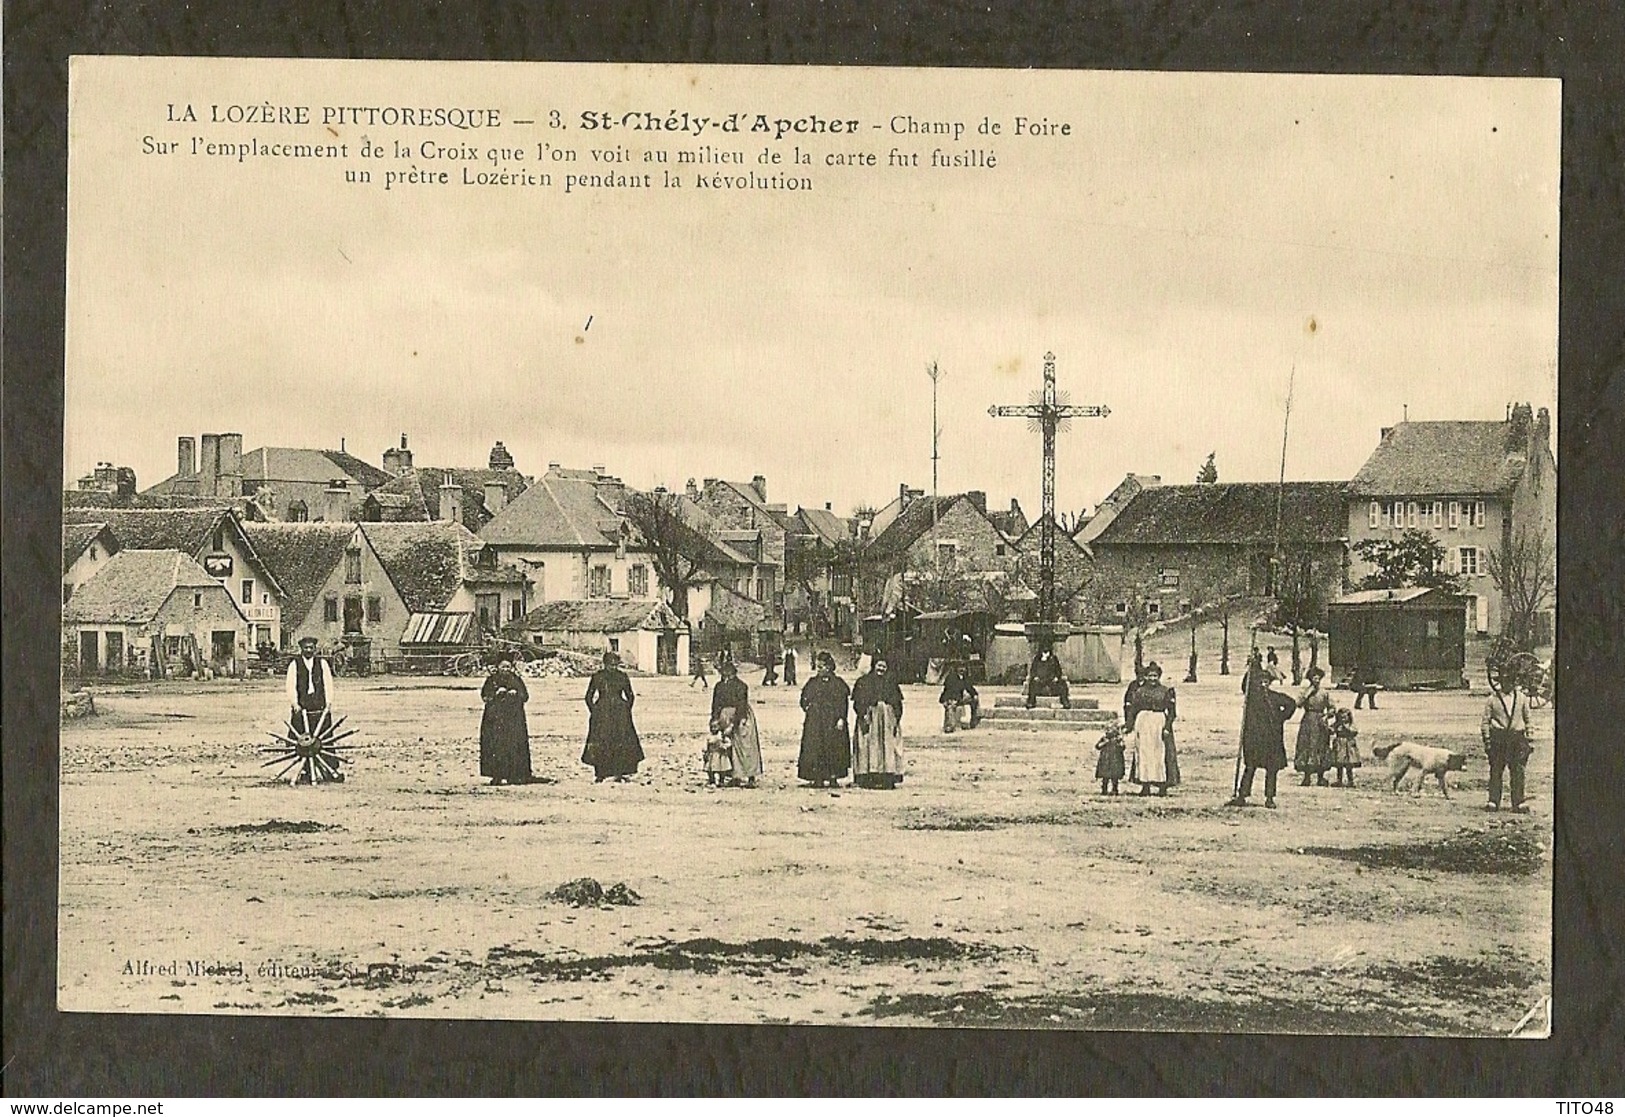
(826, 753)
(734, 720)
(613, 748)
(504, 736)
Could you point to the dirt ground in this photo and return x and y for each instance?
(996, 887)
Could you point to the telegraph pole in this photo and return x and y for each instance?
(935, 374)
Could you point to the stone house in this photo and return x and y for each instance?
(145, 611)
(288, 483)
(215, 539)
(1116, 500)
(1176, 547)
(1469, 484)
(85, 550)
(472, 497)
(948, 534)
(741, 507)
(647, 635)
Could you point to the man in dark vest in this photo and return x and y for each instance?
(309, 687)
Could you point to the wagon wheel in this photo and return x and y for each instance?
(309, 753)
(467, 664)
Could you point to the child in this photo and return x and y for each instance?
(719, 763)
(1345, 750)
(1109, 768)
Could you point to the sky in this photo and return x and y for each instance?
(1386, 245)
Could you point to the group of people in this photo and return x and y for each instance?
(1142, 748)
(854, 731)
(1327, 739)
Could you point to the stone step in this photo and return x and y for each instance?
(1067, 719)
(1047, 702)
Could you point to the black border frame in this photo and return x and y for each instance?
(49, 1054)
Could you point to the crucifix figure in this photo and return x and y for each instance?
(1048, 411)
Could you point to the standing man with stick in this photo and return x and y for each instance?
(1263, 733)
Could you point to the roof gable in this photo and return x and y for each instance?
(190, 530)
(77, 538)
(826, 525)
(315, 467)
(133, 586)
(1231, 513)
(1443, 458)
(426, 562)
(557, 511)
(600, 615)
(301, 557)
(915, 521)
(747, 492)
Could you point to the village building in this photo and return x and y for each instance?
(1398, 638)
(333, 583)
(567, 534)
(215, 539)
(744, 512)
(153, 612)
(118, 480)
(442, 570)
(933, 537)
(286, 483)
(647, 635)
(472, 497)
(85, 550)
(1116, 500)
(1470, 485)
(818, 589)
(1074, 569)
(1172, 548)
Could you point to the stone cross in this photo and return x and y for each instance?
(1048, 411)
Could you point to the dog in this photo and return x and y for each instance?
(1407, 756)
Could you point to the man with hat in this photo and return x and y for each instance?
(309, 687)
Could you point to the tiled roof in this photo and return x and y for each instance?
(600, 614)
(425, 561)
(1233, 513)
(735, 612)
(422, 487)
(911, 525)
(294, 463)
(1011, 523)
(77, 537)
(155, 497)
(559, 510)
(826, 525)
(1441, 458)
(183, 529)
(301, 557)
(133, 586)
(777, 514)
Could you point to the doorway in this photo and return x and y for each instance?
(222, 649)
(89, 652)
(352, 616)
(666, 653)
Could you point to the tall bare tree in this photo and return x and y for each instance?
(1524, 570)
(675, 547)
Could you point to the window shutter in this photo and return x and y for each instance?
(1375, 514)
(1453, 561)
(1410, 514)
(1455, 514)
(1438, 514)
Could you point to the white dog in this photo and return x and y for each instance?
(1407, 756)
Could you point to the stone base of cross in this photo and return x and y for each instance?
(1046, 634)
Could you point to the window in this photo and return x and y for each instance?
(375, 610)
(248, 591)
(637, 580)
(1468, 561)
(1373, 514)
(516, 610)
(615, 643)
(330, 610)
(352, 566)
(761, 589)
(1387, 513)
(489, 608)
(998, 548)
(1410, 514)
(197, 601)
(220, 539)
(1152, 608)
(1169, 579)
(1121, 609)
(1433, 629)
(265, 599)
(946, 553)
(298, 512)
(1478, 513)
(1455, 514)
(1436, 511)
(598, 582)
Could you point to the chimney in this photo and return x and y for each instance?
(598, 470)
(829, 506)
(553, 467)
(124, 483)
(336, 501)
(978, 500)
(500, 458)
(231, 465)
(398, 461)
(759, 483)
(692, 490)
(1542, 439)
(1519, 428)
(185, 456)
(1385, 432)
(451, 500)
(1015, 507)
(496, 495)
(209, 466)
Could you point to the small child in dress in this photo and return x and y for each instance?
(719, 762)
(1345, 745)
(1109, 768)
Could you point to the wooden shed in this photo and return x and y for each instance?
(1401, 639)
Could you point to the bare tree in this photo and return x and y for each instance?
(1524, 570)
(674, 545)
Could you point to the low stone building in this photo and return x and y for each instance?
(85, 550)
(153, 613)
(1177, 547)
(647, 635)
